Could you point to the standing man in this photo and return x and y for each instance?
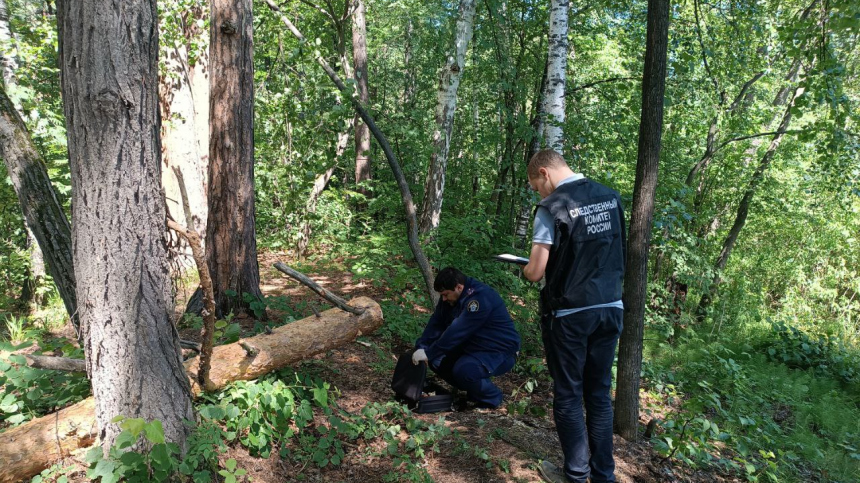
(469, 338)
(579, 247)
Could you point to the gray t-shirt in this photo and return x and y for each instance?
(544, 232)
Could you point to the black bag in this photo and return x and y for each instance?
(409, 384)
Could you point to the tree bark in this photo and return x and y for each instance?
(557, 53)
(181, 148)
(42, 211)
(393, 163)
(108, 54)
(31, 447)
(446, 105)
(231, 243)
(8, 66)
(362, 133)
(642, 215)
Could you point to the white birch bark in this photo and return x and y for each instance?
(449, 83)
(556, 73)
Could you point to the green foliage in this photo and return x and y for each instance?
(825, 354)
(140, 453)
(55, 474)
(26, 393)
(736, 410)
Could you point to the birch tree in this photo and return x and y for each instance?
(108, 54)
(446, 105)
(557, 52)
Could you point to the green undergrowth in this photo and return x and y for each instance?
(769, 403)
(290, 415)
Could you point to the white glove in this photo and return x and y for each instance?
(419, 356)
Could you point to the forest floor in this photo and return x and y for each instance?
(361, 373)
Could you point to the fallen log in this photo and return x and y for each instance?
(31, 447)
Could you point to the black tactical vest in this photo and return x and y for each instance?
(586, 261)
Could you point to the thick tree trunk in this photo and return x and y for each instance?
(642, 215)
(231, 242)
(109, 68)
(42, 211)
(27, 449)
(556, 73)
(362, 133)
(446, 105)
(744, 206)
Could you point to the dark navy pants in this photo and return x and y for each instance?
(580, 349)
(472, 372)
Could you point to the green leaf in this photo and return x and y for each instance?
(230, 464)
(154, 432)
(133, 425)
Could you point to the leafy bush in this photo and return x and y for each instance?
(825, 354)
(141, 454)
(26, 393)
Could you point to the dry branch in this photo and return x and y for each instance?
(193, 238)
(28, 449)
(55, 363)
(337, 301)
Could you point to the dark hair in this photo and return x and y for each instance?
(448, 278)
(546, 158)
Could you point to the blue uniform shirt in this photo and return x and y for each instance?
(478, 323)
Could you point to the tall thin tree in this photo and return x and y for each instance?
(108, 54)
(359, 58)
(557, 53)
(446, 105)
(231, 248)
(641, 217)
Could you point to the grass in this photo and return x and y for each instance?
(809, 420)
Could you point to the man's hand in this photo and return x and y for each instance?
(419, 356)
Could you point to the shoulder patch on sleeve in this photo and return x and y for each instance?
(473, 306)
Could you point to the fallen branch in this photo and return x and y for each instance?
(337, 301)
(55, 363)
(190, 235)
(31, 447)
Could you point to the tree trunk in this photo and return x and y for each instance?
(109, 68)
(29, 448)
(362, 133)
(231, 243)
(642, 215)
(526, 205)
(320, 183)
(556, 73)
(42, 211)
(446, 105)
(8, 63)
(744, 206)
(179, 131)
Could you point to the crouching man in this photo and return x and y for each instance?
(470, 337)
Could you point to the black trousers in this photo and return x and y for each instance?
(580, 349)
